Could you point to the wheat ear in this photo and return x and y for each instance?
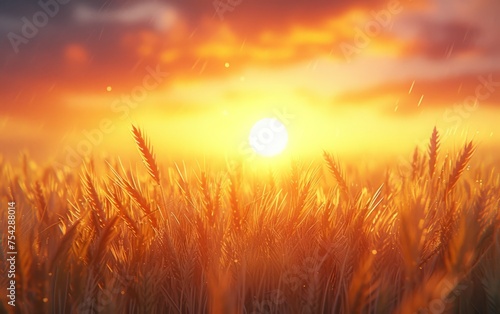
(207, 200)
(64, 244)
(147, 154)
(334, 168)
(132, 189)
(98, 215)
(433, 151)
(40, 201)
(235, 210)
(114, 198)
(460, 166)
(102, 245)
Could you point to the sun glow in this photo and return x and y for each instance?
(268, 137)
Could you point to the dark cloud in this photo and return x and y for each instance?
(440, 40)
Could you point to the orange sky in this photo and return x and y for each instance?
(353, 77)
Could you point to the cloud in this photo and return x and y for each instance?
(160, 15)
(406, 95)
(439, 40)
(254, 16)
(109, 45)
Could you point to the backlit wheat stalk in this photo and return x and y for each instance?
(433, 151)
(335, 170)
(460, 166)
(147, 154)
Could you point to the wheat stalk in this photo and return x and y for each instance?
(98, 215)
(104, 241)
(184, 187)
(433, 151)
(303, 197)
(335, 170)
(460, 166)
(64, 244)
(217, 198)
(131, 189)
(362, 285)
(415, 163)
(294, 180)
(235, 208)
(147, 154)
(207, 200)
(129, 222)
(40, 201)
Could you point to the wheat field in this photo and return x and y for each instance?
(175, 238)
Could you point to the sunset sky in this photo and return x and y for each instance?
(353, 77)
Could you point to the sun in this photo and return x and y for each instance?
(268, 137)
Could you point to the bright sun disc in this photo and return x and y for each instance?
(268, 137)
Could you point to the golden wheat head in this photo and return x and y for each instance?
(147, 154)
